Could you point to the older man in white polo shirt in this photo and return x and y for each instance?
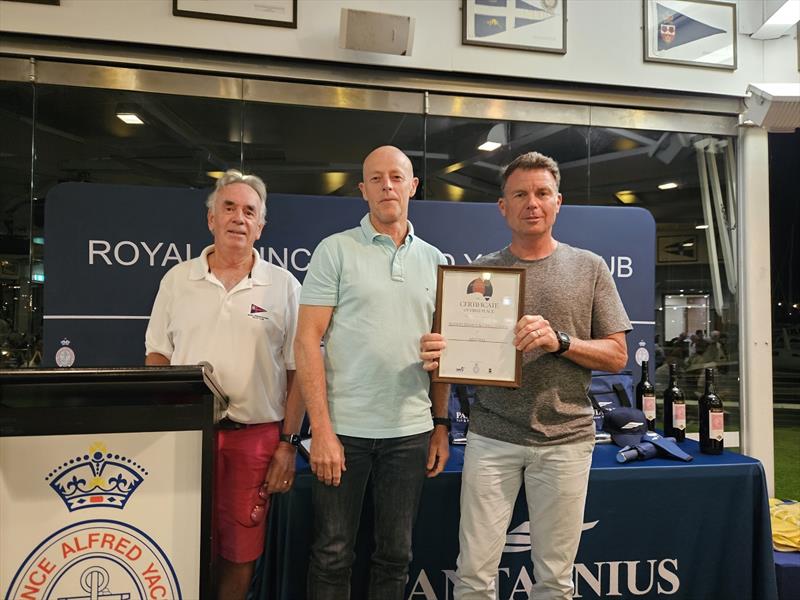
(231, 308)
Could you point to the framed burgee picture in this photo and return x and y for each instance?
(277, 13)
(699, 33)
(536, 25)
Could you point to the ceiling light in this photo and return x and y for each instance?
(332, 181)
(489, 146)
(626, 197)
(687, 244)
(671, 185)
(496, 137)
(130, 118)
(215, 174)
(701, 226)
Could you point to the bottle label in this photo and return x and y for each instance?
(679, 416)
(716, 425)
(649, 407)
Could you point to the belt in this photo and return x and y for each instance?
(227, 424)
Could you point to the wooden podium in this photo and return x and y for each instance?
(106, 482)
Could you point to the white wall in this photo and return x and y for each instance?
(604, 41)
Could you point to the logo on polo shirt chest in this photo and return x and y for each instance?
(257, 312)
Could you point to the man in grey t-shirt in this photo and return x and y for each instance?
(541, 434)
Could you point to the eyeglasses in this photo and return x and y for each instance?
(259, 509)
(670, 29)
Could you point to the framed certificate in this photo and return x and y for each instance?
(477, 309)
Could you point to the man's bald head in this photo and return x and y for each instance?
(391, 154)
(388, 185)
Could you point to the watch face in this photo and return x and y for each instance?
(563, 340)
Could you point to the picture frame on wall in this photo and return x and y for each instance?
(50, 2)
(697, 33)
(534, 25)
(275, 13)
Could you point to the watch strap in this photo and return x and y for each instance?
(290, 438)
(442, 421)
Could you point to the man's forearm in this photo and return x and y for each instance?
(440, 395)
(607, 354)
(293, 415)
(311, 379)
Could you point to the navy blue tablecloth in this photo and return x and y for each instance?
(652, 529)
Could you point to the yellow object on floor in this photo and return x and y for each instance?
(785, 518)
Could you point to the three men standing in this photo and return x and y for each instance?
(369, 294)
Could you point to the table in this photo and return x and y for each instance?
(787, 570)
(652, 529)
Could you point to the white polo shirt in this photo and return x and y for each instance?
(247, 333)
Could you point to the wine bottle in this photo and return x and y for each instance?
(711, 418)
(646, 397)
(674, 407)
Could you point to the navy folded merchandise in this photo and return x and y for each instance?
(667, 446)
(640, 451)
(608, 391)
(626, 425)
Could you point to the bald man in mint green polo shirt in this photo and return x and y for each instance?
(370, 293)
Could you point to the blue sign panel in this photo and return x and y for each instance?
(108, 246)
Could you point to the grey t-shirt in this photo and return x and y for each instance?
(573, 289)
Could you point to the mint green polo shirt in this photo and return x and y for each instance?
(383, 298)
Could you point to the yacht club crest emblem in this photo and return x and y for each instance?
(96, 559)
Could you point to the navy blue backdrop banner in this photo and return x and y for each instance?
(108, 246)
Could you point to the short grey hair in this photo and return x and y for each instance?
(528, 162)
(232, 176)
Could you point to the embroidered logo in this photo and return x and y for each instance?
(257, 312)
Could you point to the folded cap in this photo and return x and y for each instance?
(667, 446)
(626, 425)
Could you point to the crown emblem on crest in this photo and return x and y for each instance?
(99, 478)
(65, 342)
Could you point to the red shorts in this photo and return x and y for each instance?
(243, 456)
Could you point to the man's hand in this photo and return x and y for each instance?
(430, 350)
(534, 331)
(327, 458)
(280, 474)
(438, 449)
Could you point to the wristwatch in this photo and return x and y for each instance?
(563, 341)
(290, 438)
(442, 421)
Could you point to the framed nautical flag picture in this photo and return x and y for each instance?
(537, 25)
(699, 33)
